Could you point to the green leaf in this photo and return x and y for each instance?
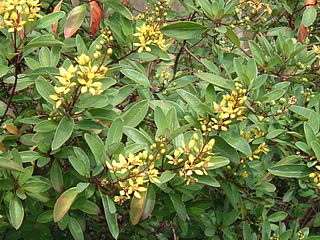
(83, 160)
(47, 20)
(45, 217)
(115, 132)
(316, 148)
(309, 133)
(63, 132)
(45, 89)
(136, 76)
(135, 114)
(11, 165)
(302, 111)
(16, 212)
(110, 217)
(149, 202)
(82, 186)
(290, 171)
(208, 180)
(118, 7)
(194, 102)
(96, 146)
(136, 208)
(273, 95)
(89, 125)
(166, 176)
(314, 121)
(74, 20)
(309, 16)
(218, 162)
(237, 141)
(64, 203)
(274, 133)
(277, 216)
(111, 205)
(179, 206)
(44, 41)
(233, 37)
(87, 206)
(56, 177)
(36, 184)
(216, 80)
(183, 30)
(46, 126)
(160, 120)
(75, 229)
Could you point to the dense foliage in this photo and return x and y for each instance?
(201, 123)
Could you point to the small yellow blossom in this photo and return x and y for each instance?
(192, 158)
(256, 5)
(133, 173)
(149, 34)
(316, 176)
(16, 13)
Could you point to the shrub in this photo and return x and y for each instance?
(194, 124)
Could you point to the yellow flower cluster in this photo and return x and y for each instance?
(256, 6)
(16, 13)
(193, 158)
(261, 148)
(86, 76)
(252, 134)
(149, 32)
(316, 176)
(133, 173)
(316, 50)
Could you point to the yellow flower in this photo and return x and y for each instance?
(83, 59)
(16, 13)
(148, 34)
(57, 98)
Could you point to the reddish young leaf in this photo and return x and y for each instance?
(311, 3)
(74, 20)
(302, 33)
(303, 29)
(96, 15)
(64, 203)
(125, 3)
(54, 25)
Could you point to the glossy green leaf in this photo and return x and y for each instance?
(16, 212)
(290, 171)
(179, 206)
(45, 89)
(216, 80)
(183, 30)
(8, 164)
(110, 217)
(63, 132)
(309, 16)
(137, 77)
(47, 20)
(75, 229)
(115, 132)
(56, 177)
(135, 114)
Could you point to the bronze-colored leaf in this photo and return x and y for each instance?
(95, 17)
